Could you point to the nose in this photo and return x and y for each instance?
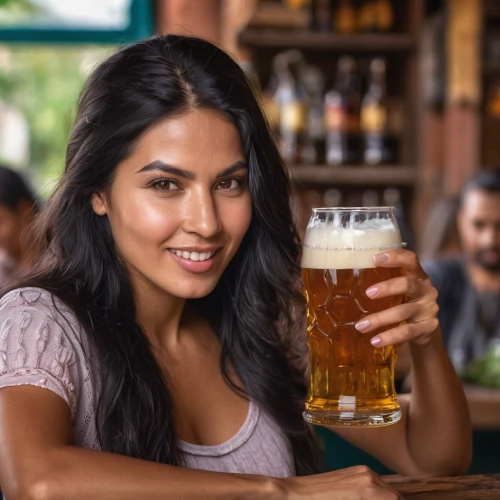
(201, 215)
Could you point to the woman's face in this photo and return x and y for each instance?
(179, 205)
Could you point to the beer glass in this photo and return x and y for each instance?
(351, 382)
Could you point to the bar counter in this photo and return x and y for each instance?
(485, 486)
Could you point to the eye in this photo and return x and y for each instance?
(165, 185)
(479, 224)
(229, 184)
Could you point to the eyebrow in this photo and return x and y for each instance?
(169, 169)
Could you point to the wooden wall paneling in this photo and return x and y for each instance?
(461, 152)
(199, 18)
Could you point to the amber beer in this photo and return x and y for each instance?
(351, 382)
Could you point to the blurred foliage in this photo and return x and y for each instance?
(485, 371)
(15, 10)
(44, 84)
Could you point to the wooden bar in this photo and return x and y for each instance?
(447, 488)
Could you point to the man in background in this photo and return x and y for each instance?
(18, 207)
(469, 285)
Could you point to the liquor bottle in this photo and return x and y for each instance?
(392, 198)
(370, 198)
(314, 147)
(291, 102)
(342, 108)
(384, 15)
(332, 198)
(366, 16)
(344, 18)
(378, 145)
(320, 15)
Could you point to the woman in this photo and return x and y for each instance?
(17, 210)
(160, 310)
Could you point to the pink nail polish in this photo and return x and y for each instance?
(381, 258)
(375, 341)
(362, 325)
(372, 292)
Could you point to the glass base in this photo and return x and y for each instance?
(353, 418)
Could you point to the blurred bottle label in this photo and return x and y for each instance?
(373, 118)
(293, 116)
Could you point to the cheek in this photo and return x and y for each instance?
(138, 223)
(237, 218)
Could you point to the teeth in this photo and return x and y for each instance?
(194, 256)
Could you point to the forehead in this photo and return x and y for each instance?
(482, 204)
(195, 139)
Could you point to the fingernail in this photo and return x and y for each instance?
(371, 292)
(381, 258)
(375, 341)
(362, 325)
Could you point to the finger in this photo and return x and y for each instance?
(401, 258)
(418, 333)
(409, 287)
(389, 317)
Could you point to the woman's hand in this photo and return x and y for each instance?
(417, 318)
(353, 483)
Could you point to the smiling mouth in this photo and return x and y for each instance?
(194, 256)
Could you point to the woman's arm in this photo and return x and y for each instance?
(38, 462)
(434, 434)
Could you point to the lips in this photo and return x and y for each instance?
(196, 261)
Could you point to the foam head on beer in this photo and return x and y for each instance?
(334, 243)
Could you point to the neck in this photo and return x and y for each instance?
(483, 280)
(160, 314)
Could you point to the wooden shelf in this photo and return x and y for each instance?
(304, 40)
(491, 69)
(354, 175)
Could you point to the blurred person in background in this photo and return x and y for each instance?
(18, 207)
(469, 285)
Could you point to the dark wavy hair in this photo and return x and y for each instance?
(251, 307)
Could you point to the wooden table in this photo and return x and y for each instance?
(447, 488)
(484, 407)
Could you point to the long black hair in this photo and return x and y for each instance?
(251, 307)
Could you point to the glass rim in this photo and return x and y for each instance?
(353, 209)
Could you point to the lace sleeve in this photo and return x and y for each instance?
(34, 348)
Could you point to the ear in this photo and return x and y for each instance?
(99, 204)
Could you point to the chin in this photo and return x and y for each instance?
(193, 292)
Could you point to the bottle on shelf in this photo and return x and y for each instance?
(249, 69)
(378, 144)
(344, 17)
(342, 109)
(291, 101)
(320, 15)
(392, 198)
(314, 146)
(383, 15)
(367, 16)
(332, 198)
(370, 198)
